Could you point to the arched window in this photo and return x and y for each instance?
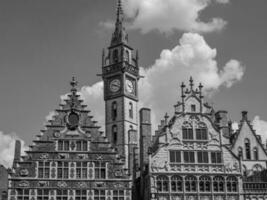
(115, 56)
(231, 183)
(114, 110)
(240, 152)
(255, 152)
(247, 149)
(114, 134)
(187, 131)
(191, 184)
(163, 184)
(127, 56)
(204, 184)
(218, 184)
(131, 110)
(176, 184)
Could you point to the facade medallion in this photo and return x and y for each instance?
(24, 172)
(62, 184)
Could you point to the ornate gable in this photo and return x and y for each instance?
(70, 155)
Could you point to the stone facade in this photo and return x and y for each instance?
(70, 159)
(3, 182)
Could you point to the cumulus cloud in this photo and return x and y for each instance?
(261, 127)
(159, 88)
(7, 147)
(169, 15)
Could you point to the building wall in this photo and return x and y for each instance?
(3, 181)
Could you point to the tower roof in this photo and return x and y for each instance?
(119, 36)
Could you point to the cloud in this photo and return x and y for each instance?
(167, 16)
(7, 147)
(261, 127)
(223, 1)
(159, 88)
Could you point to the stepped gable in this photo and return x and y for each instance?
(71, 136)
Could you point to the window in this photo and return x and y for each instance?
(216, 157)
(176, 184)
(231, 183)
(201, 134)
(247, 149)
(240, 152)
(127, 57)
(190, 184)
(62, 194)
(114, 110)
(218, 184)
(100, 170)
(118, 195)
(131, 110)
(188, 134)
(63, 170)
(202, 157)
(42, 194)
(63, 145)
(256, 155)
(189, 157)
(99, 195)
(115, 56)
(163, 184)
(43, 169)
(193, 108)
(80, 195)
(23, 194)
(175, 156)
(81, 170)
(204, 184)
(114, 134)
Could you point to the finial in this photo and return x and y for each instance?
(244, 115)
(191, 82)
(166, 118)
(200, 90)
(73, 84)
(119, 11)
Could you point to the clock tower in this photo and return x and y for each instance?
(120, 73)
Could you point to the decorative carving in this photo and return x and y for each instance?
(43, 183)
(118, 173)
(63, 156)
(62, 184)
(44, 156)
(81, 185)
(82, 156)
(24, 172)
(57, 134)
(100, 184)
(24, 184)
(99, 157)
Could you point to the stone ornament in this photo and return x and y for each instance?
(24, 184)
(43, 183)
(44, 156)
(81, 185)
(24, 172)
(62, 184)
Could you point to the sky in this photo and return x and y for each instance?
(43, 43)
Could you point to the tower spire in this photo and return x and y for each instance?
(119, 36)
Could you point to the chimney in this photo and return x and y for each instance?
(17, 153)
(145, 142)
(222, 121)
(244, 115)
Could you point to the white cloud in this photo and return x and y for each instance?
(169, 15)
(7, 147)
(223, 1)
(159, 90)
(261, 127)
(235, 126)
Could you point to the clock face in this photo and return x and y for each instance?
(115, 85)
(130, 86)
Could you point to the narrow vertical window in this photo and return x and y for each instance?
(114, 134)
(114, 110)
(256, 155)
(127, 56)
(131, 110)
(247, 149)
(193, 108)
(189, 157)
(115, 56)
(43, 169)
(100, 170)
(80, 195)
